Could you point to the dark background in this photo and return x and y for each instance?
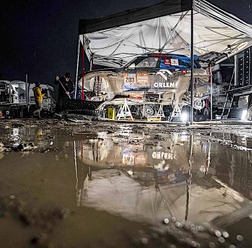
(39, 37)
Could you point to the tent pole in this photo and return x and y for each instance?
(83, 69)
(211, 90)
(192, 69)
(77, 68)
(91, 63)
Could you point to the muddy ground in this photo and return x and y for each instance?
(92, 184)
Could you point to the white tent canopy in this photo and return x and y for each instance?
(166, 28)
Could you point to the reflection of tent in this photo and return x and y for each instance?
(163, 27)
(118, 194)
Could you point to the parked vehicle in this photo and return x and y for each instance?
(17, 99)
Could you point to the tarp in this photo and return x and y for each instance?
(163, 27)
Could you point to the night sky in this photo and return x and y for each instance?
(40, 37)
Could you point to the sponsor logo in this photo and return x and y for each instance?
(169, 61)
(129, 79)
(164, 85)
(164, 79)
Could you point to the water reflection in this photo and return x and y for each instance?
(148, 176)
(151, 177)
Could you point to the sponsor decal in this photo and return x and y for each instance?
(136, 79)
(174, 62)
(164, 79)
(169, 61)
(129, 78)
(142, 78)
(165, 85)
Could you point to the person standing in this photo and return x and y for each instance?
(38, 96)
(66, 88)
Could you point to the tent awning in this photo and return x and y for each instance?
(163, 27)
(134, 15)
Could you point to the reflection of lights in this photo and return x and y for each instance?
(1, 150)
(96, 150)
(175, 138)
(205, 147)
(184, 136)
(125, 130)
(161, 166)
(203, 169)
(184, 117)
(130, 172)
(102, 135)
(15, 132)
(15, 136)
(39, 132)
(158, 146)
(244, 115)
(1, 147)
(163, 155)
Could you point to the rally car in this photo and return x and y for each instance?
(161, 78)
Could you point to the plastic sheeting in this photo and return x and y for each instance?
(169, 31)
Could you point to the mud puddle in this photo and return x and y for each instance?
(119, 185)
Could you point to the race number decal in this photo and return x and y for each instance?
(129, 78)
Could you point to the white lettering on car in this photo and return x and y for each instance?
(165, 85)
(163, 79)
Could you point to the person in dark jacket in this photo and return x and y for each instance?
(66, 88)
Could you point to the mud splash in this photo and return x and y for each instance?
(123, 185)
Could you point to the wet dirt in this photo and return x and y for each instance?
(93, 184)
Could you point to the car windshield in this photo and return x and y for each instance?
(148, 62)
(143, 62)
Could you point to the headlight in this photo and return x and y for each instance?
(244, 115)
(184, 116)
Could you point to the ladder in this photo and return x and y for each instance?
(227, 105)
(229, 99)
(97, 85)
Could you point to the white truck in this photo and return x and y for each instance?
(17, 99)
